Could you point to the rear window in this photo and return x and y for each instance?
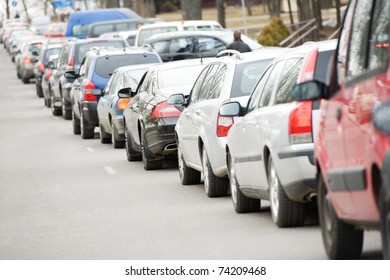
(82, 49)
(322, 66)
(168, 78)
(105, 66)
(144, 34)
(48, 53)
(246, 76)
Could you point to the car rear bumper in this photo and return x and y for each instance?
(296, 170)
(89, 111)
(160, 136)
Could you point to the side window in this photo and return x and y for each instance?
(108, 86)
(358, 40)
(145, 82)
(343, 43)
(288, 80)
(198, 85)
(181, 45)
(161, 47)
(256, 94)
(208, 83)
(208, 44)
(270, 84)
(216, 87)
(82, 69)
(379, 43)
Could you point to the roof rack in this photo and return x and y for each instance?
(233, 53)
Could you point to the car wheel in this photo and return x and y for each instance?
(18, 74)
(115, 139)
(241, 203)
(341, 240)
(25, 80)
(54, 110)
(86, 133)
(76, 124)
(214, 186)
(105, 138)
(150, 163)
(188, 176)
(130, 153)
(39, 90)
(284, 211)
(66, 113)
(384, 206)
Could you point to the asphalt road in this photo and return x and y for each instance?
(62, 197)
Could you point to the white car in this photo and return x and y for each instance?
(200, 131)
(270, 150)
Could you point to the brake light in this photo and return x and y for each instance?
(41, 67)
(26, 60)
(223, 125)
(70, 64)
(88, 91)
(165, 110)
(49, 72)
(122, 103)
(309, 66)
(300, 123)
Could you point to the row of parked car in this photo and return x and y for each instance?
(297, 127)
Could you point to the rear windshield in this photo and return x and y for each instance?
(168, 78)
(144, 34)
(82, 49)
(105, 66)
(246, 76)
(50, 52)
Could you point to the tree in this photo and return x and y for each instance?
(7, 8)
(274, 8)
(338, 13)
(221, 12)
(191, 9)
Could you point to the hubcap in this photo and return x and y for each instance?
(233, 182)
(180, 162)
(274, 191)
(205, 172)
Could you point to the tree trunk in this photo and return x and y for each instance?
(191, 9)
(25, 9)
(248, 4)
(274, 8)
(305, 10)
(221, 12)
(7, 9)
(327, 4)
(290, 12)
(112, 4)
(338, 13)
(316, 5)
(148, 8)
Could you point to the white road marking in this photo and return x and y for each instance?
(110, 170)
(89, 149)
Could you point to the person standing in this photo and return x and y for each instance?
(238, 44)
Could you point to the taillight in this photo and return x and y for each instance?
(26, 60)
(88, 91)
(122, 103)
(41, 67)
(71, 62)
(223, 125)
(309, 66)
(165, 110)
(49, 72)
(300, 123)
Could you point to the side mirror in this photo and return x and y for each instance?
(311, 90)
(50, 65)
(71, 75)
(36, 53)
(230, 109)
(33, 60)
(125, 93)
(177, 99)
(381, 117)
(97, 92)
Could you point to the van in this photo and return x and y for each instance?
(145, 32)
(79, 22)
(99, 28)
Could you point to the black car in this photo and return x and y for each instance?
(149, 119)
(192, 44)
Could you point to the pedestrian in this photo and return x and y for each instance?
(238, 44)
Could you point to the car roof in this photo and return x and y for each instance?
(182, 63)
(104, 51)
(134, 67)
(263, 53)
(176, 23)
(302, 50)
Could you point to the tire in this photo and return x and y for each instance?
(25, 80)
(188, 176)
(105, 138)
(214, 186)
(131, 154)
(66, 113)
(76, 124)
(86, 133)
(341, 240)
(54, 110)
(39, 90)
(241, 203)
(384, 207)
(115, 139)
(284, 211)
(150, 163)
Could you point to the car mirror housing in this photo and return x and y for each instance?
(230, 109)
(125, 93)
(50, 65)
(177, 99)
(381, 117)
(311, 90)
(71, 75)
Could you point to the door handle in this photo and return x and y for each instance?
(338, 114)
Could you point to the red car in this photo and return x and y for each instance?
(352, 150)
